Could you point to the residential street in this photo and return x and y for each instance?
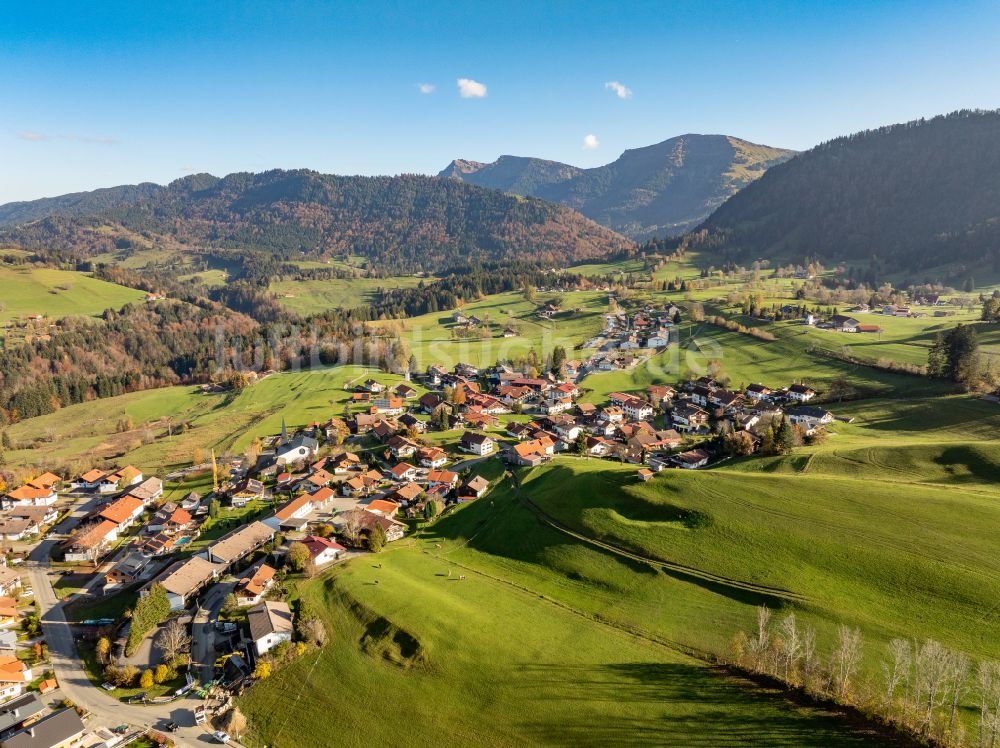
(73, 680)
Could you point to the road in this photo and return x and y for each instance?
(203, 631)
(74, 682)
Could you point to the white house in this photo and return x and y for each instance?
(801, 393)
(270, 624)
(478, 444)
(809, 417)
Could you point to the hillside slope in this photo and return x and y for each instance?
(660, 189)
(916, 195)
(75, 203)
(407, 222)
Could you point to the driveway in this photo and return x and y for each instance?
(74, 682)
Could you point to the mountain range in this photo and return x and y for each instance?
(403, 223)
(660, 190)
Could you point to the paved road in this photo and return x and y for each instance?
(74, 682)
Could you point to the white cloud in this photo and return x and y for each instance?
(470, 89)
(590, 142)
(426, 88)
(621, 90)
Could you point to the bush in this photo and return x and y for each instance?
(146, 680)
(161, 674)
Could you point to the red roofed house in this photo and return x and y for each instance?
(123, 512)
(403, 471)
(322, 550)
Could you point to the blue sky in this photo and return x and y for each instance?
(97, 94)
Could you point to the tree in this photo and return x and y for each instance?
(841, 389)
(991, 309)
(581, 444)
(263, 670)
(213, 508)
(954, 355)
(299, 556)
(128, 675)
(738, 443)
(149, 612)
(5, 440)
(376, 539)
(173, 640)
(146, 679)
(784, 437)
(430, 510)
(103, 649)
(844, 660)
(161, 674)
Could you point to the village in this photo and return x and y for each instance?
(181, 597)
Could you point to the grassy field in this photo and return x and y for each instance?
(171, 424)
(472, 659)
(311, 296)
(432, 340)
(58, 293)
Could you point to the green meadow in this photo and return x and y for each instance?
(312, 296)
(58, 293)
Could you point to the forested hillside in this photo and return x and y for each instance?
(400, 223)
(907, 197)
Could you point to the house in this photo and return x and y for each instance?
(373, 387)
(238, 544)
(89, 481)
(14, 713)
(393, 529)
(431, 457)
(246, 491)
(10, 582)
(405, 494)
(403, 471)
(45, 480)
(519, 430)
(60, 729)
(661, 393)
(443, 477)
(17, 528)
(383, 507)
(801, 393)
(809, 417)
(389, 406)
(401, 447)
(411, 423)
(14, 676)
(645, 474)
(29, 496)
(757, 392)
(127, 571)
(119, 480)
(726, 400)
(362, 423)
(385, 430)
(148, 490)
(323, 550)
(270, 623)
(844, 324)
(429, 402)
(298, 449)
(693, 458)
(478, 444)
(297, 509)
(530, 453)
(473, 488)
(687, 417)
(869, 328)
(253, 587)
(361, 485)
(91, 542)
(598, 446)
(404, 391)
(123, 512)
(183, 580)
(344, 462)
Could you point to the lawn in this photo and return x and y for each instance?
(58, 293)
(471, 659)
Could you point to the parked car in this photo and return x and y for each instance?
(108, 686)
(221, 736)
(173, 727)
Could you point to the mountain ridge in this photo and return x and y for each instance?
(661, 189)
(403, 223)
